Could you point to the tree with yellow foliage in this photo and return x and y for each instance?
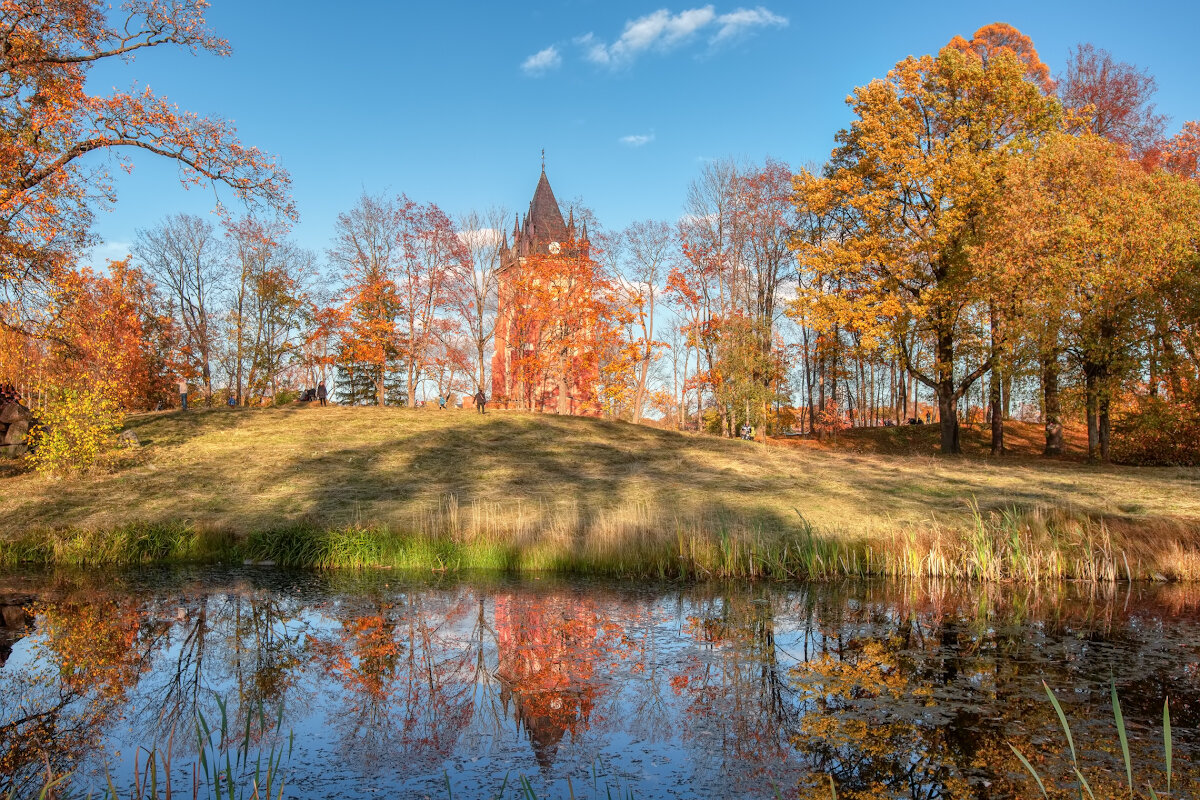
(915, 177)
(1097, 239)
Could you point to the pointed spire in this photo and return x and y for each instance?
(516, 226)
(544, 215)
(570, 223)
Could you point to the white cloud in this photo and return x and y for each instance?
(637, 139)
(542, 61)
(662, 31)
(738, 22)
(480, 237)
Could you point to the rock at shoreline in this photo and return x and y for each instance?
(15, 422)
(13, 411)
(15, 432)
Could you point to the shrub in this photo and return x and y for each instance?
(829, 420)
(77, 427)
(1154, 431)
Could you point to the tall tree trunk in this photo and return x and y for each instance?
(1091, 389)
(997, 414)
(1105, 427)
(410, 397)
(948, 420)
(639, 399)
(994, 389)
(1051, 406)
(208, 390)
(1097, 370)
(1007, 382)
(946, 397)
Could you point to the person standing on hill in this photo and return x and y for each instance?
(321, 393)
(182, 393)
(480, 401)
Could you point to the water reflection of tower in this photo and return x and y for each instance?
(547, 667)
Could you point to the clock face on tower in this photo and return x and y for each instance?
(554, 248)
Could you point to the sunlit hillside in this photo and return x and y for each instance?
(504, 475)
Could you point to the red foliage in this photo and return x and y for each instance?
(105, 334)
(1114, 98)
(1155, 431)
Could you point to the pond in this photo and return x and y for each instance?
(377, 684)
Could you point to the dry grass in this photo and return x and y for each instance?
(558, 492)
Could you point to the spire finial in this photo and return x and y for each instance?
(543, 159)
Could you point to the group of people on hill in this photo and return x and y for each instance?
(320, 394)
(480, 400)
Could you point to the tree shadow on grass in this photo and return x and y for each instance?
(394, 467)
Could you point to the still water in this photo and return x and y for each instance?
(393, 686)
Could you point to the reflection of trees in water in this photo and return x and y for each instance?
(915, 691)
(406, 675)
(90, 655)
(102, 654)
(919, 695)
(738, 703)
(907, 690)
(244, 646)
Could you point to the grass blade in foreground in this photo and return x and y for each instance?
(1167, 739)
(1025, 762)
(1120, 719)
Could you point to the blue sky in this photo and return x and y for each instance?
(451, 102)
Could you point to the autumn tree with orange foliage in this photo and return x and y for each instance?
(917, 173)
(990, 40)
(364, 247)
(49, 123)
(1178, 323)
(104, 332)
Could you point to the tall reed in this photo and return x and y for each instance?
(643, 539)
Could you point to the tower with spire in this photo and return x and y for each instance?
(542, 233)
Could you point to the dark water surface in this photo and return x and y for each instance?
(394, 685)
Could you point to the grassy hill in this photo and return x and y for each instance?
(450, 489)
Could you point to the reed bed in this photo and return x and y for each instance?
(647, 541)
